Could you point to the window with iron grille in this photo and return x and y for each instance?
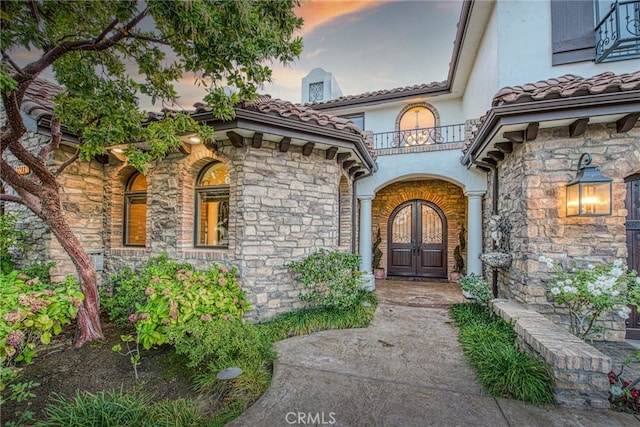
(316, 92)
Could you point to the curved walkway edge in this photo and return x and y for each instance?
(405, 369)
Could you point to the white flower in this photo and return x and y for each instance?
(555, 290)
(624, 311)
(591, 266)
(617, 271)
(568, 282)
(596, 292)
(615, 293)
(617, 263)
(547, 261)
(570, 289)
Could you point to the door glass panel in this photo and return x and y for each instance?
(431, 226)
(401, 227)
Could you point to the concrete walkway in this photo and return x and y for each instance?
(406, 369)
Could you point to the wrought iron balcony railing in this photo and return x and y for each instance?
(618, 33)
(422, 137)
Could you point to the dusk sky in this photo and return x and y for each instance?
(367, 45)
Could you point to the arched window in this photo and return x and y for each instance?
(212, 206)
(135, 211)
(417, 124)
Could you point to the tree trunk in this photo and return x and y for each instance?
(89, 327)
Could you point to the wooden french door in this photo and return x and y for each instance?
(632, 203)
(417, 240)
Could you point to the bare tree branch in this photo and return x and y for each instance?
(34, 11)
(147, 38)
(11, 62)
(49, 57)
(11, 198)
(67, 163)
(54, 143)
(15, 180)
(106, 31)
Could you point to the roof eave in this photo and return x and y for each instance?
(260, 122)
(550, 110)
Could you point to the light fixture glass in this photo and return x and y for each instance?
(416, 137)
(195, 139)
(118, 150)
(589, 193)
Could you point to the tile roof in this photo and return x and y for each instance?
(38, 98)
(399, 91)
(38, 103)
(265, 104)
(563, 87)
(567, 86)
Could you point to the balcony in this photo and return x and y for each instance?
(618, 32)
(416, 140)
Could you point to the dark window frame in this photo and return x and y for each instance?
(355, 116)
(221, 192)
(129, 197)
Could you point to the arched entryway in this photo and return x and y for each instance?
(417, 231)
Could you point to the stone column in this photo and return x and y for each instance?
(474, 231)
(365, 241)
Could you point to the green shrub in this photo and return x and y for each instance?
(505, 371)
(10, 238)
(41, 270)
(306, 321)
(224, 340)
(476, 285)
(167, 294)
(32, 313)
(330, 279)
(117, 409)
(127, 288)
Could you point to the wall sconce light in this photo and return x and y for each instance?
(589, 193)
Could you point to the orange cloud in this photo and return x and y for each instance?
(320, 12)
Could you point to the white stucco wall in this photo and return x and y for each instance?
(483, 80)
(435, 164)
(382, 118)
(524, 46)
(330, 88)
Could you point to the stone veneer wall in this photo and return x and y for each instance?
(447, 196)
(81, 195)
(532, 196)
(283, 206)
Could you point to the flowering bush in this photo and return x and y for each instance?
(622, 394)
(30, 314)
(167, 294)
(590, 292)
(476, 285)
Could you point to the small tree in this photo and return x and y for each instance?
(91, 47)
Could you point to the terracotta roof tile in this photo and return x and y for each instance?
(38, 99)
(38, 103)
(396, 91)
(567, 86)
(265, 104)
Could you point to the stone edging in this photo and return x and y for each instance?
(579, 370)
